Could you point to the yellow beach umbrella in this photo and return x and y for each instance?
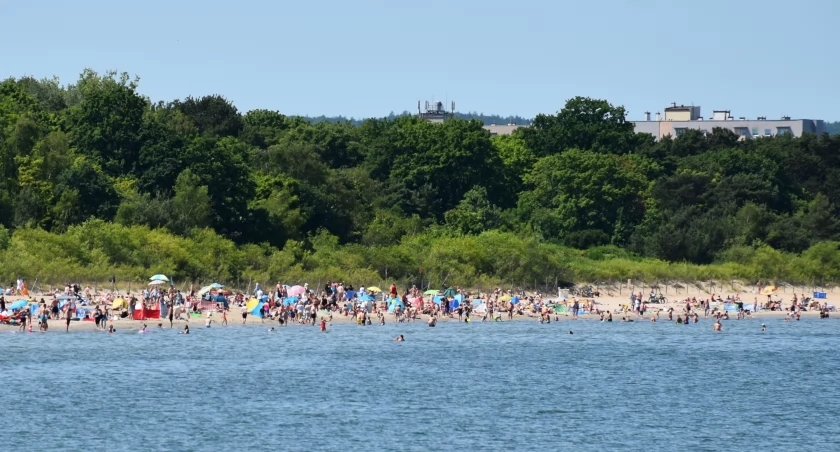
(374, 289)
(252, 303)
(119, 303)
(770, 290)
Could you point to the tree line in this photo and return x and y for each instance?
(272, 195)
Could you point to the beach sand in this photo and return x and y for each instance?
(611, 301)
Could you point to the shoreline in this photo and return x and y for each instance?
(57, 326)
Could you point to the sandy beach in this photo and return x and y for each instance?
(611, 302)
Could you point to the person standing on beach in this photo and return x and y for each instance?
(575, 308)
(69, 314)
(224, 317)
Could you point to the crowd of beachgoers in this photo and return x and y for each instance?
(162, 303)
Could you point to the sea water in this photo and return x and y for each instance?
(458, 386)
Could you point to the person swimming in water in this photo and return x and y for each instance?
(763, 327)
(323, 324)
(271, 329)
(186, 329)
(432, 321)
(718, 326)
(399, 339)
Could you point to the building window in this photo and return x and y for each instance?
(755, 132)
(680, 131)
(742, 131)
(768, 132)
(783, 131)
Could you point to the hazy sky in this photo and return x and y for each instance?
(370, 57)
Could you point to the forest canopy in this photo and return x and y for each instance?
(97, 179)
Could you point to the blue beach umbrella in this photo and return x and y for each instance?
(394, 304)
(18, 305)
(258, 310)
(159, 278)
(290, 301)
(367, 298)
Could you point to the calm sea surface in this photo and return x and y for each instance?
(477, 386)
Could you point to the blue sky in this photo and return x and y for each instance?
(370, 57)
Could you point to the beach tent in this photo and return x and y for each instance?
(349, 294)
(450, 292)
(438, 299)
(561, 308)
(504, 298)
(730, 307)
(456, 301)
(221, 299)
(290, 301)
(33, 309)
(119, 303)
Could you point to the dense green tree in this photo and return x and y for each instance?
(583, 123)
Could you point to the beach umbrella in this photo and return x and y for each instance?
(450, 292)
(290, 301)
(252, 303)
(394, 304)
(437, 300)
(119, 303)
(367, 298)
(18, 305)
(157, 282)
(209, 288)
(374, 289)
(504, 298)
(159, 278)
(257, 310)
(770, 290)
(295, 291)
(514, 300)
(430, 292)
